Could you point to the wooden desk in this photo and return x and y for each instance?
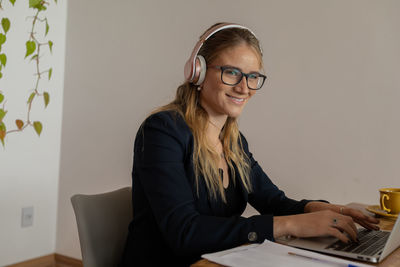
(393, 260)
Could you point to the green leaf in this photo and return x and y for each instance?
(1, 98)
(41, 7)
(5, 22)
(19, 124)
(38, 127)
(31, 98)
(46, 98)
(51, 46)
(2, 132)
(47, 28)
(34, 57)
(1, 75)
(34, 3)
(2, 113)
(2, 126)
(3, 59)
(50, 72)
(2, 38)
(12, 2)
(30, 48)
(2, 135)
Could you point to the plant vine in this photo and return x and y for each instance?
(34, 47)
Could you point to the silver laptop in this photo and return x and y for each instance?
(373, 246)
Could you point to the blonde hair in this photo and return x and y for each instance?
(186, 103)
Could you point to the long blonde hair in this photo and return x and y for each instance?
(186, 103)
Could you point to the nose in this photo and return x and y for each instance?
(242, 87)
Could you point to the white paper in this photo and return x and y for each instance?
(270, 254)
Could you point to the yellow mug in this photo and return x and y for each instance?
(390, 200)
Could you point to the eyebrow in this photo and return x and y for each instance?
(230, 66)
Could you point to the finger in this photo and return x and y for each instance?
(349, 230)
(367, 225)
(351, 223)
(363, 220)
(336, 233)
(347, 226)
(361, 216)
(373, 219)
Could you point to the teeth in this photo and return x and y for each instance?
(237, 99)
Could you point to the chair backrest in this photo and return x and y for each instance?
(103, 221)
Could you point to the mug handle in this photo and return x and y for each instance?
(384, 196)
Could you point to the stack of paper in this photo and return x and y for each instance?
(274, 254)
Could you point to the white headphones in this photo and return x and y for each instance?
(195, 67)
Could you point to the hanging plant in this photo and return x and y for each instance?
(35, 45)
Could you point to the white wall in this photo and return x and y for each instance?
(324, 126)
(330, 111)
(29, 165)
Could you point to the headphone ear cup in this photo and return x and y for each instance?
(200, 70)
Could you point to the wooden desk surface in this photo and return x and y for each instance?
(393, 260)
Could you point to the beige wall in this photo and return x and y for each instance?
(325, 125)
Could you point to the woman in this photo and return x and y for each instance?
(193, 173)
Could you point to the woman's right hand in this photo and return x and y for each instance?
(320, 223)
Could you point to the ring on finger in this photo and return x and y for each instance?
(341, 210)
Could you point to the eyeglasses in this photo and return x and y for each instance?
(233, 76)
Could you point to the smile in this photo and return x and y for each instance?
(237, 100)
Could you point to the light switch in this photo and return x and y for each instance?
(27, 217)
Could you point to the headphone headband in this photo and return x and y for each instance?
(193, 68)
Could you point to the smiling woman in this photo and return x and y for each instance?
(224, 92)
(193, 173)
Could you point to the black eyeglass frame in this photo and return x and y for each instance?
(223, 68)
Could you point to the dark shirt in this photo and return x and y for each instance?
(234, 198)
(174, 222)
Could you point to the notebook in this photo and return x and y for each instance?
(373, 246)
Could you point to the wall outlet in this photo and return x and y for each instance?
(27, 217)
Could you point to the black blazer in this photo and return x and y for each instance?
(172, 223)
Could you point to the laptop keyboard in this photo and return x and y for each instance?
(370, 242)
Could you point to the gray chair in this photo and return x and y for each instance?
(103, 221)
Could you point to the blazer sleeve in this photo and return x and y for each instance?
(266, 197)
(161, 147)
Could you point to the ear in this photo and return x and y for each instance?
(201, 68)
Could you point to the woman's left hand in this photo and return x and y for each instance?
(362, 219)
